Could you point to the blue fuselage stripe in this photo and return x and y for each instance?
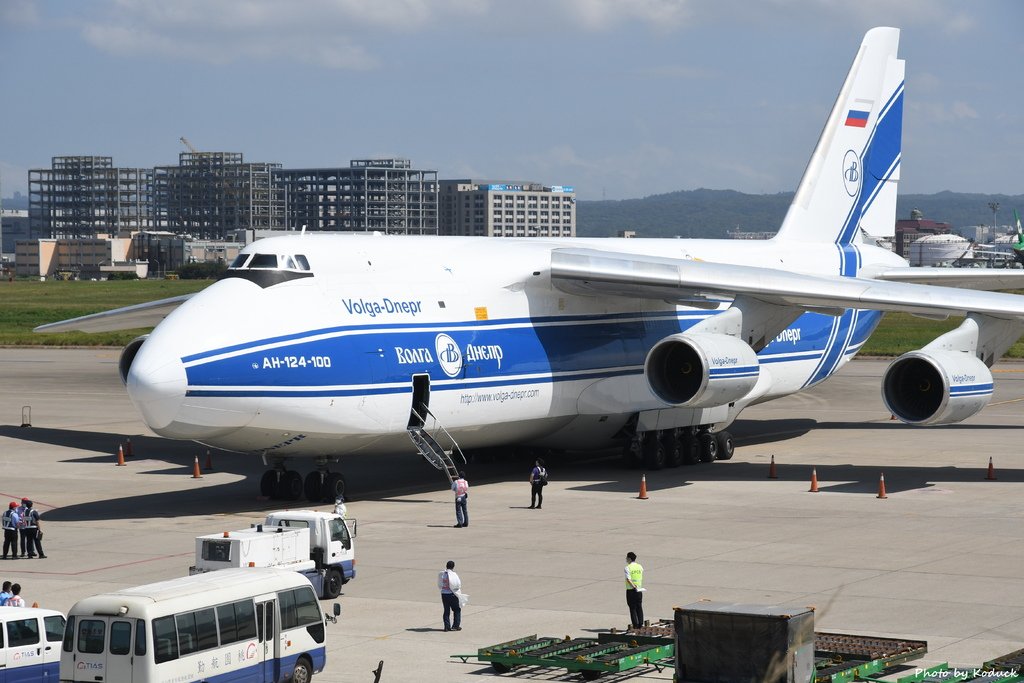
(362, 360)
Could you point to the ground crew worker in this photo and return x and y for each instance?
(635, 590)
(16, 600)
(5, 593)
(11, 520)
(30, 527)
(450, 584)
(461, 488)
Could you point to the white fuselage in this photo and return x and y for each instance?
(321, 361)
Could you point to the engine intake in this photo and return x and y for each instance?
(936, 387)
(701, 370)
(124, 363)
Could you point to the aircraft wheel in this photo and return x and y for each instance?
(268, 484)
(313, 486)
(726, 447)
(334, 486)
(708, 447)
(333, 581)
(673, 440)
(691, 448)
(654, 451)
(632, 452)
(290, 485)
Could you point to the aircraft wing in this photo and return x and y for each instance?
(967, 278)
(148, 314)
(601, 273)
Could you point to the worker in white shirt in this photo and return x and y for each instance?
(450, 584)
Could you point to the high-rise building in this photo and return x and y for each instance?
(210, 194)
(82, 196)
(371, 194)
(507, 209)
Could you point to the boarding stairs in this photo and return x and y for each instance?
(429, 445)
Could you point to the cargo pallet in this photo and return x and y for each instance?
(839, 657)
(590, 657)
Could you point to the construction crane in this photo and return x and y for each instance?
(191, 148)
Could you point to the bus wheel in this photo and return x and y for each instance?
(303, 672)
(333, 581)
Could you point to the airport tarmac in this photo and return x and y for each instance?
(939, 560)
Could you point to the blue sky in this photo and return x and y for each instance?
(619, 98)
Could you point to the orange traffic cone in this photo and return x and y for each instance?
(991, 476)
(195, 469)
(643, 487)
(771, 469)
(814, 481)
(120, 456)
(881, 486)
(128, 447)
(209, 461)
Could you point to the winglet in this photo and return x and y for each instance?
(850, 180)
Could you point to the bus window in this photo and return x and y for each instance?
(259, 621)
(206, 628)
(90, 636)
(165, 639)
(227, 624)
(298, 608)
(188, 640)
(120, 638)
(140, 638)
(54, 628)
(69, 636)
(245, 618)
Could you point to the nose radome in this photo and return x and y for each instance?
(156, 385)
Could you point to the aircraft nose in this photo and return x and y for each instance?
(156, 384)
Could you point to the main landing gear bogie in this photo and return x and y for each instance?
(319, 486)
(680, 446)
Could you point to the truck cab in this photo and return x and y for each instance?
(331, 543)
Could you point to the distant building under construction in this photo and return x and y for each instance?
(82, 196)
(211, 194)
(371, 194)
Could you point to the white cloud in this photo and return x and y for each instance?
(18, 13)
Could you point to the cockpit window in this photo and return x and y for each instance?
(264, 261)
(271, 262)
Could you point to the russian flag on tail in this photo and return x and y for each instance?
(858, 115)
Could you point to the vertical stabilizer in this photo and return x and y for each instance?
(850, 181)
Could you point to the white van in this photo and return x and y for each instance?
(30, 640)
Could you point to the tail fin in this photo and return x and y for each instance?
(850, 181)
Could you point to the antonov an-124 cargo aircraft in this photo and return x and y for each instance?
(318, 346)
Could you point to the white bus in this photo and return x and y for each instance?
(247, 624)
(30, 644)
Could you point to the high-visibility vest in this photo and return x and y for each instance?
(636, 575)
(9, 521)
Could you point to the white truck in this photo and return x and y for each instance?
(319, 545)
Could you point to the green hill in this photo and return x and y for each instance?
(712, 213)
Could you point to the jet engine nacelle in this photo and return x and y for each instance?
(701, 370)
(124, 363)
(936, 387)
